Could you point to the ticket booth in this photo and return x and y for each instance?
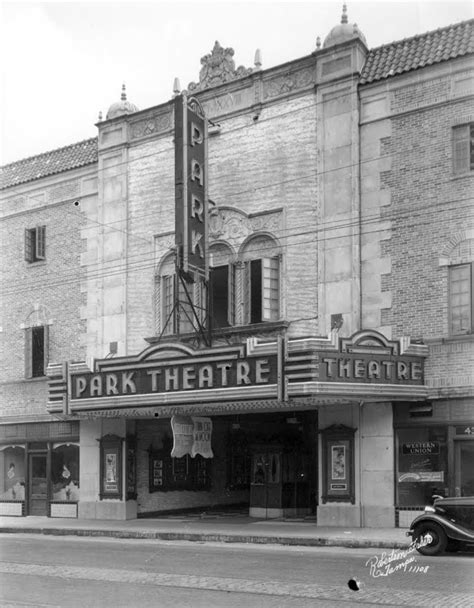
(279, 485)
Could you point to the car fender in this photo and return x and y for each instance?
(452, 529)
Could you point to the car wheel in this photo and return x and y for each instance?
(431, 537)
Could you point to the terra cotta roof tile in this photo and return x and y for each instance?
(416, 52)
(48, 163)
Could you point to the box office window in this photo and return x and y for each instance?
(422, 462)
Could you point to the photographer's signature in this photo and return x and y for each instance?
(397, 561)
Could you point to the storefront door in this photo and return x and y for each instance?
(266, 486)
(279, 483)
(464, 468)
(38, 486)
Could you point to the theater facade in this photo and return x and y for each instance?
(271, 426)
(256, 295)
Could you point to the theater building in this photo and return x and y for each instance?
(265, 299)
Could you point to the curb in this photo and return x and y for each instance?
(215, 538)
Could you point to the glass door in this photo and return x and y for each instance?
(38, 486)
(464, 468)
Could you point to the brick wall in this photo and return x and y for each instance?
(48, 291)
(427, 207)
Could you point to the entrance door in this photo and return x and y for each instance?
(265, 485)
(464, 468)
(38, 486)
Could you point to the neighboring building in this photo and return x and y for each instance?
(336, 381)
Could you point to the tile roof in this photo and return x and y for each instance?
(382, 62)
(419, 51)
(48, 163)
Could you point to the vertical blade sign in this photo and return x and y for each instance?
(191, 186)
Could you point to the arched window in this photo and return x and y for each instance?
(222, 286)
(164, 296)
(461, 288)
(168, 304)
(36, 329)
(261, 257)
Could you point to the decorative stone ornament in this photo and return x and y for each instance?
(218, 67)
(122, 107)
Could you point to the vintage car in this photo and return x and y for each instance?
(448, 525)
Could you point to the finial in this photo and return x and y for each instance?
(123, 97)
(318, 42)
(176, 87)
(100, 116)
(355, 29)
(258, 59)
(344, 14)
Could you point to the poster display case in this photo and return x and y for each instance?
(338, 464)
(111, 467)
(131, 468)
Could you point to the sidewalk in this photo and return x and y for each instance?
(211, 529)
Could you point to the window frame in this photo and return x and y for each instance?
(30, 367)
(463, 148)
(470, 291)
(169, 474)
(230, 296)
(270, 308)
(35, 244)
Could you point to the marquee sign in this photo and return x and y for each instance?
(172, 377)
(191, 185)
(376, 368)
(366, 366)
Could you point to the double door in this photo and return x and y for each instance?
(279, 483)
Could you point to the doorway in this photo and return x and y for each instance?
(38, 485)
(279, 483)
(464, 468)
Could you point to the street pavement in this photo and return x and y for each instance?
(68, 571)
(213, 529)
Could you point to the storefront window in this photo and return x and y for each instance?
(185, 473)
(65, 472)
(238, 461)
(12, 473)
(422, 465)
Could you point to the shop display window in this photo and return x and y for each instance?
(12, 473)
(168, 474)
(422, 465)
(238, 461)
(65, 472)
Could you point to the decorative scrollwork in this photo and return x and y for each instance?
(218, 67)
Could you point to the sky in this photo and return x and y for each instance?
(63, 62)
